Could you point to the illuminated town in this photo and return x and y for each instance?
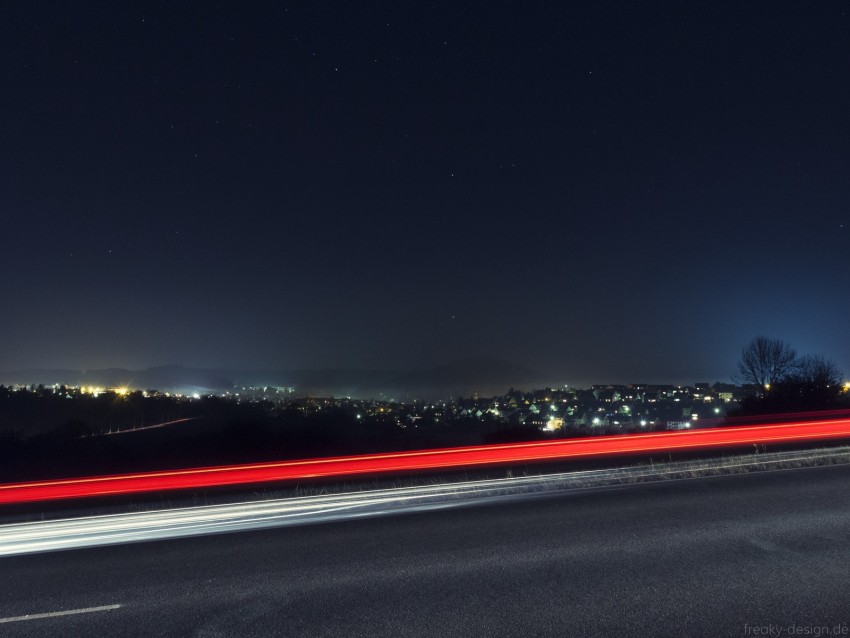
(564, 411)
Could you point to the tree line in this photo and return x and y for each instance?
(781, 380)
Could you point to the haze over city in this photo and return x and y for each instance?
(598, 192)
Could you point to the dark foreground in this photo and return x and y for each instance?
(731, 556)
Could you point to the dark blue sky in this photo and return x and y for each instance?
(602, 191)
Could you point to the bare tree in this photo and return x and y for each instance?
(816, 371)
(765, 361)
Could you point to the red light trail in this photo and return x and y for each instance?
(581, 448)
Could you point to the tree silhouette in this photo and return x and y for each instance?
(765, 362)
(790, 383)
(815, 383)
(815, 370)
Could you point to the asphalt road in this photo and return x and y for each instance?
(728, 556)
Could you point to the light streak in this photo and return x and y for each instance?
(448, 458)
(149, 427)
(55, 614)
(74, 532)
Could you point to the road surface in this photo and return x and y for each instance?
(727, 556)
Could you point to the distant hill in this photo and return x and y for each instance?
(322, 382)
(485, 375)
(167, 378)
(488, 376)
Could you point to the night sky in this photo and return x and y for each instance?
(602, 191)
